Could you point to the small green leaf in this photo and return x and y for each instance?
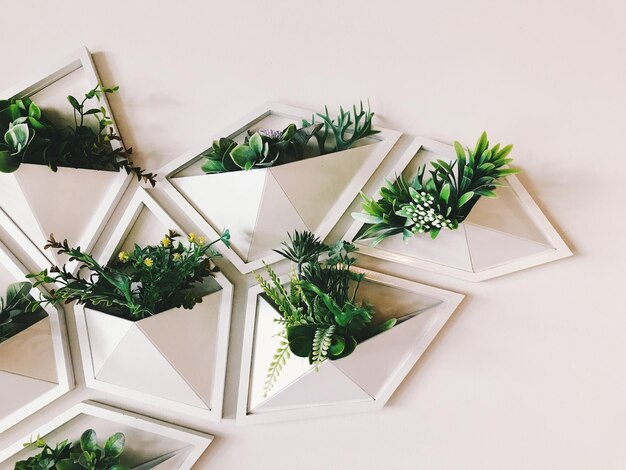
(8, 162)
(301, 346)
(242, 154)
(445, 192)
(34, 111)
(366, 218)
(256, 143)
(114, 445)
(465, 198)
(75, 104)
(89, 441)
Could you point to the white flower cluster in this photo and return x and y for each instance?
(424, 215)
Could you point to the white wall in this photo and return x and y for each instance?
(530, 373)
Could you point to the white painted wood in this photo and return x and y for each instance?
(40, 350)
(346, 176)
(86, 197)
(188, 380)
(386, 360)
(147, 440)
(480, 254)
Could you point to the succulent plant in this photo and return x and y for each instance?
(16, 312)
(260, 149)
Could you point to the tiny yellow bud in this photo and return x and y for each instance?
(166, 242)
(191, 237)
(123, 256)
(176, 257)
(148, 262)
(201, 241)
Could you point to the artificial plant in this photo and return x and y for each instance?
(16, 312)
(86, 454)
(270, 147)
(140, 283)
(441, 201)
(318, 310)
(30, 137)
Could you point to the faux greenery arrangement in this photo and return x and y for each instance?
(318, 310)
(269, 147)
(440, 202)
(138, 284)
(16, 312)
(86, 454)
(30, 137)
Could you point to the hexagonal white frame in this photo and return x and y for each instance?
(560, 250)
(57, 326)
(389, 137)
(96, 413)
(80, 59)
(449, 301)
(141, 199)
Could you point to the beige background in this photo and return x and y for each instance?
(530, 372)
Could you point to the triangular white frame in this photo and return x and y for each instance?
(62, 359)
(198, 441)
(560, 251)
(389, 137)
(449, 303)
(81, 58)
(142, 199)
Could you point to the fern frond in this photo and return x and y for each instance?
(321, 343)
(276, 366)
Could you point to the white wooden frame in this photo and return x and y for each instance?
(389, 137)
(140, 200)
(449, 302)
(57, 325)
(197, 440)
(561, 250)
(44, 78)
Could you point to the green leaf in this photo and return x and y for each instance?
(366, 218)
(34, 111)
(445, 192)
(17, 137)
(213, 166)
(465, 198)
(337, 346)
(243, 154)
(301, 346)
(75, 104)
(114, 445)
(89, 441)
(256, 143)
(9, 162)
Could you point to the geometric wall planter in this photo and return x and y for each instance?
(310, 194)
(86, 197)
(363, 381)
(150, 444)
(34, 363)
(175, 359)
(500, 236)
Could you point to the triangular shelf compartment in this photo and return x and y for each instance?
(149, 443)
(35, 368)
(310, 194)
(188, 380)
(500, 236)
(363, 381)
(86, 197)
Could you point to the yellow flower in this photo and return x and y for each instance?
(201, 241)
(148, 262)
(176, 257)
(166, 241)
(191, 237)
(123, 256)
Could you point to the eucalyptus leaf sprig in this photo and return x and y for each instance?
(30, 137)
(442, 201)
(140, 283)
(320, 315)
(86, 454)
(270, 147)
(16, 310)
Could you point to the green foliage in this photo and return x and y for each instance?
(440, 202)
(29, 137)
(139, 283)
(345, 131)
(269, 147)
(16, 312)
(318, 310)
(85, 454)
